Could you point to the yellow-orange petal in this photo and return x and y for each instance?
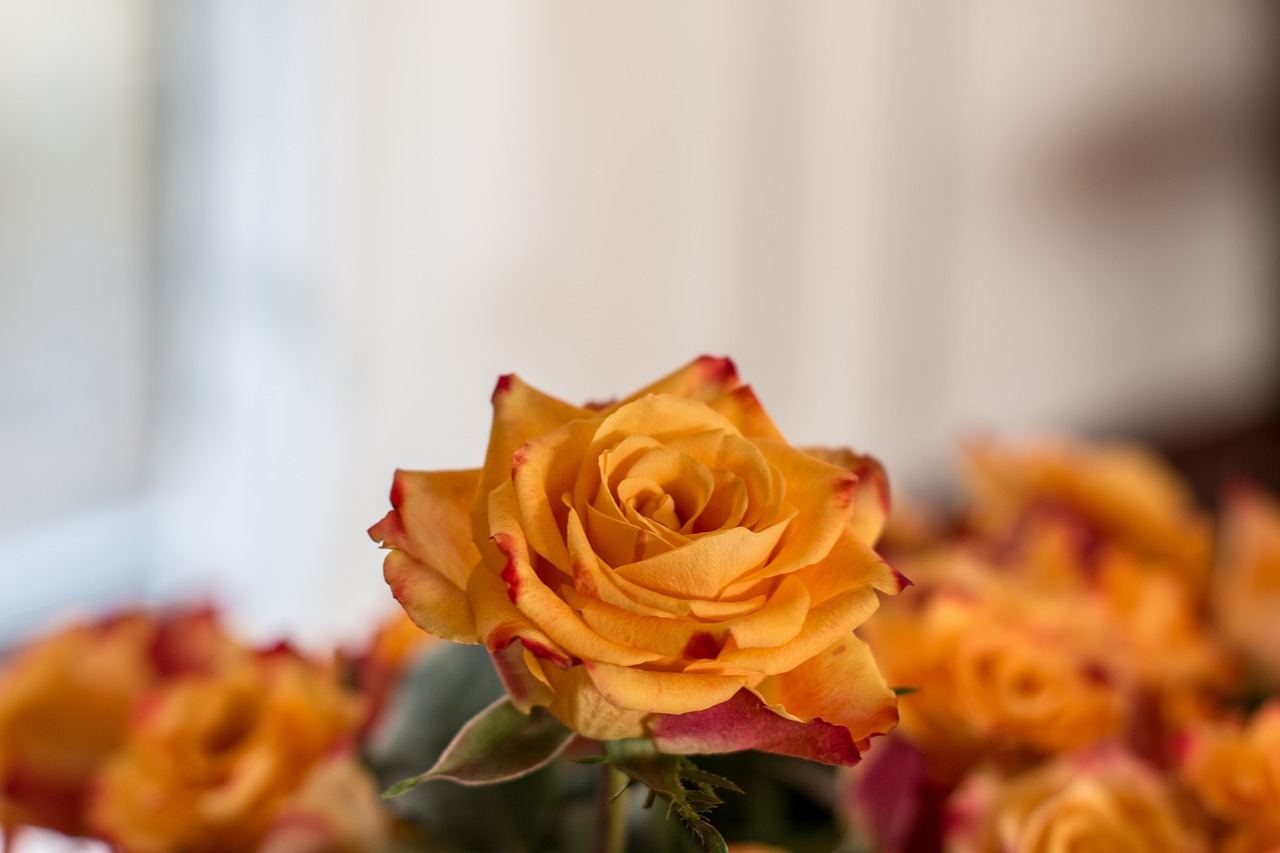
(703, 379)
(745, 410)
(651, 692)
(538, 603)
(543, 471)
(520, 413)
(822, 497)
(659, 416)
(826, 624)
(841, 685)
(581, 707)
(433, 602)
(851, 564)
(771, 622)
(703, 568)
(433, 555)
(871, 496)
(430, 522)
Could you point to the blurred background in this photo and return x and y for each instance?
(256, 255)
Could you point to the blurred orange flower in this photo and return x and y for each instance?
(998, 670)
(1102, 799)
(335, 810)
(1108, 493)
(1235, 771)
(65, 700)
(210, 759)
(666, 564)
(1246, 595)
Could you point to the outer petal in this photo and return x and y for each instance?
(871, 498)
(433, 555)
(745, 410)
(702, 379)
(745, 722)
(841, 685)
(520, 413)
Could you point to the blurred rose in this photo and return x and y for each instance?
(1247, 592)
(664, 564)
(1235, 771)
(65, 700)
(1099, 800)
(1110, 494)
(209, 759)
(1000, 669)
(336, 810)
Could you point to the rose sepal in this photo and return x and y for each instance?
(690, 792)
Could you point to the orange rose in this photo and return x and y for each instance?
(1100, 800)
(210, 759)
(1246, 597)
(1235, 771)
(1114, 494)
(335, 810)
(663, 565)
(1000, 668)
(65, 701)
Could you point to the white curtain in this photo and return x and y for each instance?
(902, 220)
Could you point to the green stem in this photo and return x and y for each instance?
(611, 814)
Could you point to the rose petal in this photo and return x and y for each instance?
(745, 410)
(434, 555)
(703, 568)
(538, 603)
(648, 691)
(746, 722)
(825, 624)
(774, 621)
(821, 495)
(543, 471)
(841, 685)
(432, 601)
(871, 498)
(520, 413)
(702, 379)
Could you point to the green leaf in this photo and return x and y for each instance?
(497, 745)
(905, 691)
(689, 791)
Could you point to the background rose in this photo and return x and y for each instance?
(1115, 494)
(1246, 594)
(1102, 799)
(65, 700)
(663, 564)
(209, 759)
(1235, 771)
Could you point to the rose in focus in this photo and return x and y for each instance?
(665, 565)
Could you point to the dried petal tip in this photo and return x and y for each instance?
(718, 368)
(503, 385)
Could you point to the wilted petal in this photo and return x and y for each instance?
(745, 722)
